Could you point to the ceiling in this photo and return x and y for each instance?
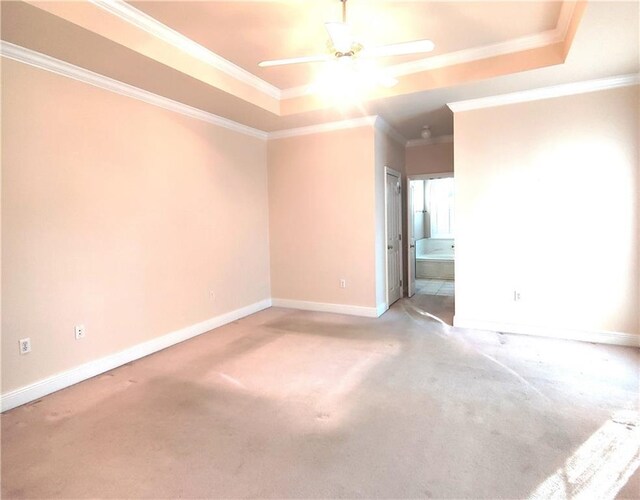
(205, 53)
(249, 32)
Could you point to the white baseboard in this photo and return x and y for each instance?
(368, 312)
(70, 377)
(382, 308)
(601, 337)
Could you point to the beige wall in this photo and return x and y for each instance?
(120, 216)
(547, 203)
(388, 153)
(430, 158)
(321, 216)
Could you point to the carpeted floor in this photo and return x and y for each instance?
(440, 306)
(298, 404)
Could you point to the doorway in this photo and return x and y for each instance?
(431, 248)
(393, 234)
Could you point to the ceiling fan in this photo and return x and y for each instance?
(343, 46)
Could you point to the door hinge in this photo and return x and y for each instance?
(400, 237)
(400, 282)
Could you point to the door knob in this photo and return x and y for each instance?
(412, 246)
(389, 247)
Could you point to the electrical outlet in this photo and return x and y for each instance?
(80, 332)
(516, 296)
(343, 283)
(25, 346)
(212, 295)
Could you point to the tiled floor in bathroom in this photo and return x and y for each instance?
(435, 287)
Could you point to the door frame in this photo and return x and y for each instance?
(418, 177)
(424, 177)
(411, 243)
(389, 170)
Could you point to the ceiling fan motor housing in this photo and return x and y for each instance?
(353, 51)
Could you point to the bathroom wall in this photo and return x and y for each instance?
(419, 216)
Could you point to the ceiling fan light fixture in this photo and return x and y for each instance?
(348, 80)
(387, 81)
(400, 49)
(340, 35)
(350, 66)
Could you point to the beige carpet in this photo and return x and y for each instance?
(298, 404)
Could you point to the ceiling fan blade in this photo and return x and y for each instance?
(399, 49)
(340, 34)
(295, 60)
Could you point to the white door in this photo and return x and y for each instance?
(411, 238)
(394, 243)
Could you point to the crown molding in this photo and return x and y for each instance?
(476, 53)
(549, 37)
(382, 125)
(136, 17)
(459, 57)
(324, 127)
(143, 21)
(519, 44)
(48, 63)
(546, 92)
(564, 19)
(432, 140)
(293, 92)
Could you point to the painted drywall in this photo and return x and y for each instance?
(388, 153)
(321, 217)
(419, 220)
(547, 204)
(120, 216)
(429, 158)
